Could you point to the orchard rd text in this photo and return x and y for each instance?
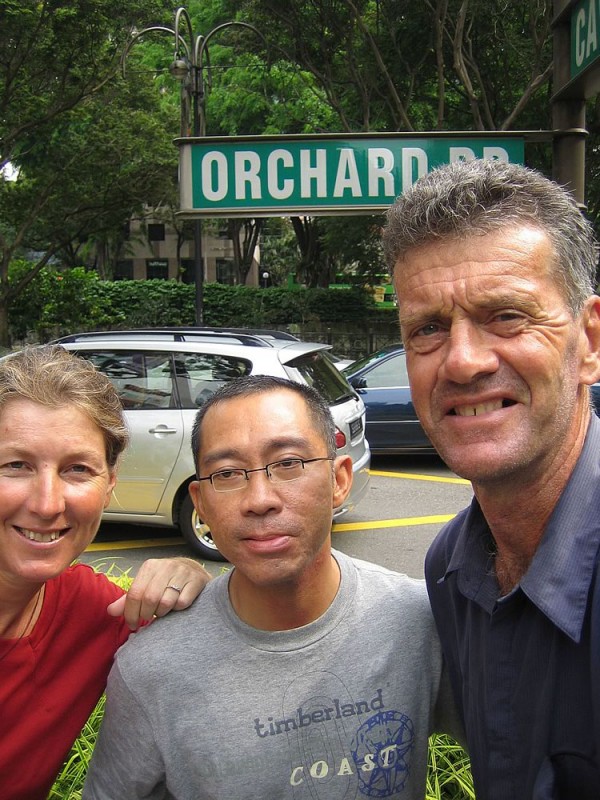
(279, 176)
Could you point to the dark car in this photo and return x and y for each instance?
(391, 422)
(596, 397)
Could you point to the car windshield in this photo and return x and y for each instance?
(320, 373)
(370, 359)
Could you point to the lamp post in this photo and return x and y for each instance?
(190, 59)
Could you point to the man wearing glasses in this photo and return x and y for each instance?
(302, 673)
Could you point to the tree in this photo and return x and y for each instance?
(400, 65)
(395, 65)
(84, 147)
(245, 235)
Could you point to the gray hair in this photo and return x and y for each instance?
(248, 385)
(481, 196)
(53, 377)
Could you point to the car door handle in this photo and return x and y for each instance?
(162, 429)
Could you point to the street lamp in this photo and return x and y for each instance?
(190, 59)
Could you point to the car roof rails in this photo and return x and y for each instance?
(247, 336)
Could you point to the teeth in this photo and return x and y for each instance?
(477, 410)
(40, 537)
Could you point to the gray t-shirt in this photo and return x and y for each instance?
(200, 705)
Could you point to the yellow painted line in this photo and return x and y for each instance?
(413, 477)
(405, 522)
(339, 527)
(132, 545)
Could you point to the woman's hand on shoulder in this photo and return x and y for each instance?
(161, 585)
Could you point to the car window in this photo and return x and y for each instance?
(361, 363)
(320, 373)
(143, 380)
(388, 373)
(199, 375)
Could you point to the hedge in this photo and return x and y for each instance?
(59, 302)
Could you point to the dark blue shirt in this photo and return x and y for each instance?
(525, 668)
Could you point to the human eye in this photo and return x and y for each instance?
(286, 469)
(287, 463)
(428, 330)
(227, 475)
(15, 469)
(14, 466)
(423, 337)
(507, 321)
(79, 469)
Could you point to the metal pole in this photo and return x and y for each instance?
(197, 102)
(187, 67)
(568, 114)
(199, 272)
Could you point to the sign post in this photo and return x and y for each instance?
(576, 48)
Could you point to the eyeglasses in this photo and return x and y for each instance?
(290, 469)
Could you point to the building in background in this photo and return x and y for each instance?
(151, 251)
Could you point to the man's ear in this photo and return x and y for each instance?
(589, 371)
(342, 475)
(196, 495)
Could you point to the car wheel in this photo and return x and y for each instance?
(196, 533)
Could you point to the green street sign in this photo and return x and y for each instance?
(319, 174)
(585, 42)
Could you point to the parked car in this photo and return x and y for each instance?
(595, 394)
(164, 375)
(338, 361)
(382, 382)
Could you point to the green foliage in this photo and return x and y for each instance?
(57, 302)
(449, 773)
(87, 148)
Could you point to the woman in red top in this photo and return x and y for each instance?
(61, 434)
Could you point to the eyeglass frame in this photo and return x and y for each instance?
(264, 469)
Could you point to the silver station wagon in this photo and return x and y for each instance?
(164, 375)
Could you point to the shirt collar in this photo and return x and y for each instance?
(560, 574)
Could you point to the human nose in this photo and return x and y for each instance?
(469, 354)
(47, 499)
(260, 493)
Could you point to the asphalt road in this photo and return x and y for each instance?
(409, 500)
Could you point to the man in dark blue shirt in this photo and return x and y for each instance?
(494, 268)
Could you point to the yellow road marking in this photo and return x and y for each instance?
(413, 477)
(340, 527)
(132, 545)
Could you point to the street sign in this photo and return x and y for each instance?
(576, 51)
(585, 41)
(319, 174)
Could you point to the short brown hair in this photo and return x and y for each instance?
(51, 376)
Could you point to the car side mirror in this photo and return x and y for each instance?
(359, 383)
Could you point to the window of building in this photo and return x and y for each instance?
(226, 272)
(156, 232)
(124, 270)
(157, 268)
(188, 270)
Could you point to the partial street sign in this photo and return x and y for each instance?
(576, 49)
(320, 174)
(585, 42)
